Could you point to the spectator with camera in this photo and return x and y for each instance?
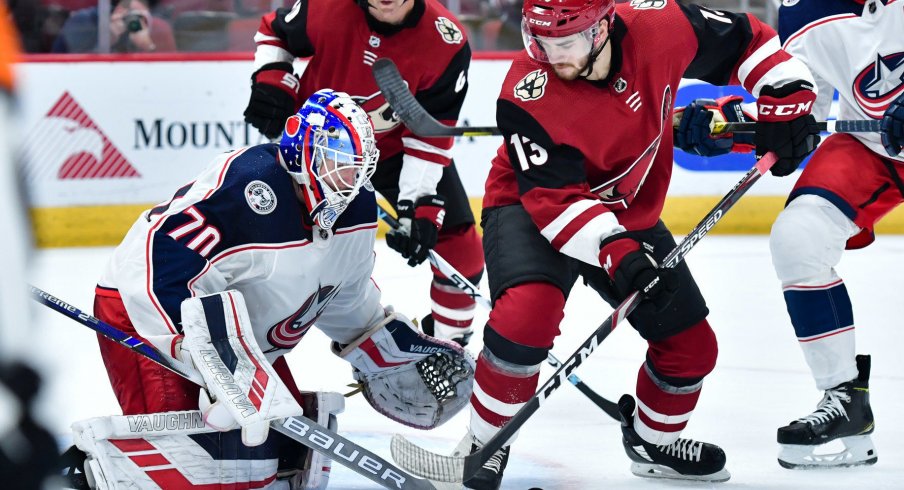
(133, 29)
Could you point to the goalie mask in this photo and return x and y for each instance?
(329, 148)
(560, 29)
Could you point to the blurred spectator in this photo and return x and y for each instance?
(132, 30)
(38, 25)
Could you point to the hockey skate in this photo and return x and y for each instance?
(843, 414)
(461, 336)
(489, 477)
(684, 459)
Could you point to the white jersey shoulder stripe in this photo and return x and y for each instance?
(817, 23)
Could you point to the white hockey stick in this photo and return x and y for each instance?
(299, 428)
(444, 468)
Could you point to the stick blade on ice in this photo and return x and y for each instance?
(424, 463)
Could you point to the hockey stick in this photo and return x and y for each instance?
(439, 467)
(410, 111)
(298, 428)
(421, 123)
(844, 126)
(469, 288)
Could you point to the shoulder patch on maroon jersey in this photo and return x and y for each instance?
(648, 4)
(450, 32)
(532, 86)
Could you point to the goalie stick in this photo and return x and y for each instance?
(421, 123)
(469, 288)
(445, 468)
(299, 428)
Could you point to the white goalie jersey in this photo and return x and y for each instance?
(240, 226)
(853, 46)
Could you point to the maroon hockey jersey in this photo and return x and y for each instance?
(588, 158)
(430, 49)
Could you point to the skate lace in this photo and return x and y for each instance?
(832, 405)
(494, 464)
(686, 449)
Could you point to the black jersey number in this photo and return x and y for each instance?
(537, 155)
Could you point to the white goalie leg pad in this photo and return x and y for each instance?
(171, 450)
(412, 378)
(244, 388)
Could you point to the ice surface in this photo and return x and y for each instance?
(761, 381)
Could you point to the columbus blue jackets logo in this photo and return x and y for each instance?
(879, 84)
(448, 30)
(532, 86)
(287, 333)
(260, 197)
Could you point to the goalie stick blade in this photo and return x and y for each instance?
(410, 111)
(425, 463)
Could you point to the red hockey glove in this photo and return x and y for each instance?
(785, 126)
(420, 223)
(631, 269)
(274, 98)
(694, 132)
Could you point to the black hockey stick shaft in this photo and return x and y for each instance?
(421, 123)
(471, 290)
(410, 111)
(474, 461)
(843, 126)
(299, 428)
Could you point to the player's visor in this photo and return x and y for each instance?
(558, 49)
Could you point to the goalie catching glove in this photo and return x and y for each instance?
(242, 388)
(414, 379)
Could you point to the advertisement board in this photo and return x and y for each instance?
(103, 140)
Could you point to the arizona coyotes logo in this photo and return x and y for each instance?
(879, 84)
(448, 30)
(67, 144)
(287, 333)
(618, 192)
(383, 117)
(532, 86)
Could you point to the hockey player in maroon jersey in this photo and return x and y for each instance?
(577, 189)
(417, 175)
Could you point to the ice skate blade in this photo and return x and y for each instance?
(858, 451)
(650, 470)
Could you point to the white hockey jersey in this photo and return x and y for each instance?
(240, 226)
(855, 47)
